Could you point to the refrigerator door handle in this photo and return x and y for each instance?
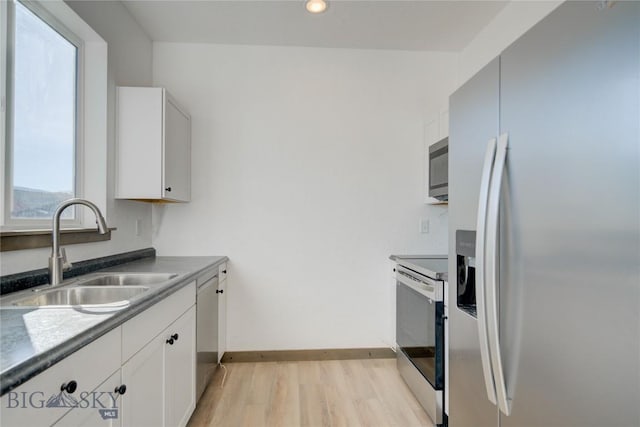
(485, 181)
(492, 268)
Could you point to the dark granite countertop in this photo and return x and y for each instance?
(34, 339)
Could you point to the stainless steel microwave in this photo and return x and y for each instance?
(439, 170)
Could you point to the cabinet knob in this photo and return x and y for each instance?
(167, 189)
(219, 291)
(224, 271)
(173, 338)
(69, 387)
(120, 390)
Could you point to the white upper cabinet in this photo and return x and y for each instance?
(443, 123)
(154, 146)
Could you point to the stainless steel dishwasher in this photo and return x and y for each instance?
(206, 329)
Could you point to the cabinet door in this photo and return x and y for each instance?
(177, 153)
(143, 374)
(40, 401)
(180, 374)
(222, 310)
(139, 143)
(100, 408)
(443, 124)
(222, 317)
(153, 146)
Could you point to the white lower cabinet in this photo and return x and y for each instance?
(222, 311)
(45, 398)
(179, 370)
(101, 408)
(160, 378)
(142, 405)
(145, 369)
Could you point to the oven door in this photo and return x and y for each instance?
(420, 327)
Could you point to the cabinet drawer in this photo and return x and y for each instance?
(88, 367)
(90, 415)
(206, 276)
(222, 272)
(145, 326)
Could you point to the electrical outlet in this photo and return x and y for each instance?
(424, 225)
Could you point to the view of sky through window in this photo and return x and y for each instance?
(44, 117)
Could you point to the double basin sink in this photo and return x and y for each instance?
(104, 289)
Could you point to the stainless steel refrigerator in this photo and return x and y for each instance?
(544, 216)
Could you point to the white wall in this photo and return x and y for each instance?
(512, 21)
(129, 63)
(307, 173)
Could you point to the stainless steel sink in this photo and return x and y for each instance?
(127, 279)
(83, 296)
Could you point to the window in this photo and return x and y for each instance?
(43, 111)
(56, 146)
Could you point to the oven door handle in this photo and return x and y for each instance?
(424, 286)
(481, 227)
(492, 276)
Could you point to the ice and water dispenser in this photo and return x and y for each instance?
(466, 270)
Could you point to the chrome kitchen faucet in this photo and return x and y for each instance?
(58, 260)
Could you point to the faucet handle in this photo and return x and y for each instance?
(66, 265)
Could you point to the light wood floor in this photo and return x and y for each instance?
(334, 393)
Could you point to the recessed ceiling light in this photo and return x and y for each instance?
(316, 6)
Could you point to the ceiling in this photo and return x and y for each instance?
(365, 24)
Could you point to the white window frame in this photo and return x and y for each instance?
(56, 25)
(91, 106)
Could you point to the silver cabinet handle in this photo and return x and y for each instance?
(492, 268)
(483, 201)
